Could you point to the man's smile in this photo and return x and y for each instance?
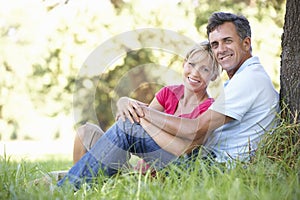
(225, 57)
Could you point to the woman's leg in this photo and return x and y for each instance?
(87, 135)
(111, 152)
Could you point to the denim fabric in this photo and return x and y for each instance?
(111, 152)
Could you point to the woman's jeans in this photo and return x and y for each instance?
(113, 150)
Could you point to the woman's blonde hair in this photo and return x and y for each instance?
(204, 47)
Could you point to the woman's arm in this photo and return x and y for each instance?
(132, 109)
(155, 105)
(191, 129)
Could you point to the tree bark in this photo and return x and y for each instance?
(290, 63)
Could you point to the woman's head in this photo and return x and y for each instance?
(199, 68)
(200, 53)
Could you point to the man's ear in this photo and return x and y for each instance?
(247, 43)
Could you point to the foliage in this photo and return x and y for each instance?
(131, 61)
(272, 174)
(283, 146)
(44, 46)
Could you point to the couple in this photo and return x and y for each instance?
(182, 118)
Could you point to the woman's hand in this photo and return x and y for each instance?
(130, 109)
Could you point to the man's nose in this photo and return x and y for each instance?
(221, 48)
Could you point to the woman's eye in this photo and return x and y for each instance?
(205, 69)
(192, 64)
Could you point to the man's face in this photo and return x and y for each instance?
(228, 47)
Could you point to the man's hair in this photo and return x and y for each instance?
(241, 23)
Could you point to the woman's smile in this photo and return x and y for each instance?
(193, 80)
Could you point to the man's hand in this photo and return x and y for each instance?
(130, 109)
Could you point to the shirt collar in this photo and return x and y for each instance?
(250, 61)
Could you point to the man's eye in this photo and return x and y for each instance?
(214, 46)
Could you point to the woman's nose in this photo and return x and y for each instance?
(196, 71)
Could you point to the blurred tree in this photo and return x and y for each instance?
(290, 63)
(40, 57)
(105, 101)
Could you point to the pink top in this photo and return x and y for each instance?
(169, 97)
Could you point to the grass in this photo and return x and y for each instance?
(272, 174)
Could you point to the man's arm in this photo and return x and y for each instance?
(168, 142)
(191, 129)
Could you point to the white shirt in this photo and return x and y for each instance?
(250, 99)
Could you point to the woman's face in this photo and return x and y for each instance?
(197, 71)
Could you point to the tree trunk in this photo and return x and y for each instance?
(290, 63)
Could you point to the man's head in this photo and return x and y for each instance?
(242, 25)
(230, 39)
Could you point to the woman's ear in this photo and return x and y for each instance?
(184, 63)
(214, 77)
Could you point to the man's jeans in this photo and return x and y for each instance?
(112, 150)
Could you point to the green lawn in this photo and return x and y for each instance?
(273, 174)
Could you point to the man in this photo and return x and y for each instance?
(235, 122)
(229, 130)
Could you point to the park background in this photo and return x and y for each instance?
(45, 43)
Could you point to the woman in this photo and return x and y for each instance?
(132, 134)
